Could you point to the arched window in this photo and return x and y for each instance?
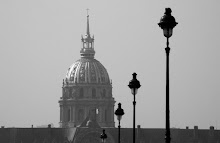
(70, 92)
(81, 93)
(69, 115)
(106, 115)
(63, 92)
(93, 93)
(80, 115)
(66, 93)
(104, 93)
(61, 114)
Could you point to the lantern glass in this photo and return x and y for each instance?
(103, 140)
(167, 32)
(119, 117)
(134, 91)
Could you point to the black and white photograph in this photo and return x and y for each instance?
(109, 71)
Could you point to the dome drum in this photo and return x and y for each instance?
(87, 92)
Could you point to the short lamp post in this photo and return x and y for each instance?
(103, 136)
(134, 84)
(119, 113)
(167, 23)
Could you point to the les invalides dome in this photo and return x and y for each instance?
(87, 69)
(87, 90)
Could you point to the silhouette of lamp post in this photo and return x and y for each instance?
(134, 84)
(103, 136)
(119, 113)
(167, 23)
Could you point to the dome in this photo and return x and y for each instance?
(87, 70)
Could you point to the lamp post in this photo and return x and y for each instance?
(119, 113)
(134, 84)
(167, 23)
(103, 136)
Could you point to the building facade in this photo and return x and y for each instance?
(92, 135)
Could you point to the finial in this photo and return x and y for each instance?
(87, 30)
(119, 105)
(134, 75)
(168, 11)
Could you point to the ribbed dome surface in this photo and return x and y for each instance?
(87, 70)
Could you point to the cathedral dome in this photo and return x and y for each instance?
(87, 70)
(87, 89)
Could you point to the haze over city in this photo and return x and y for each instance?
(41, 39)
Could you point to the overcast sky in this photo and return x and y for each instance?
(40, 39)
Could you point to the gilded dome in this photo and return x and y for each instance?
(87, 70)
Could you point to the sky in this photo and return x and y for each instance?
(39, 40)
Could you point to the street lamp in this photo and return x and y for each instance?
(119, 113)
(167, 23)
(103, 136)
(134, 84)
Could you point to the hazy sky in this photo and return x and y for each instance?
(40, 39)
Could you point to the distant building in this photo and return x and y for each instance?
(87, 88)
(92, 134)
(87, 107)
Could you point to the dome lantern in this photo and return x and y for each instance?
(87, 50)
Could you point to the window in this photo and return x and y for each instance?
(93, 93)
(81, 93)
(80, 115)
(104, 93)
(69, 115)
(106, 115)
(61, 114)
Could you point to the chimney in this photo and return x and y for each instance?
(138, 133)
(187, 127)
(195, 131)
(211, 131)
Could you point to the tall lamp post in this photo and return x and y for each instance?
(134, 84)
(119, 113)
(103, 136)
(167, 23)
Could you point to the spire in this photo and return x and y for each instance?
(87, 29)
(87, 50)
